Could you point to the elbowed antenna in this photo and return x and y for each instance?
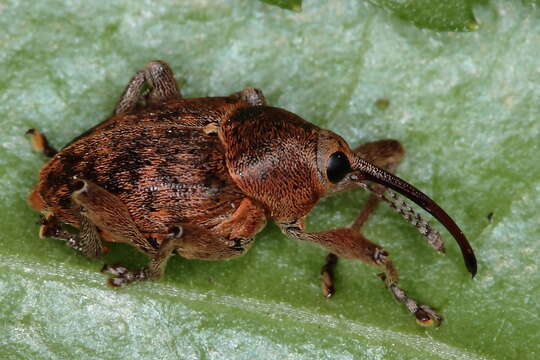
(372, 173)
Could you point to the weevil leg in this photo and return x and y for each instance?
(89, 240)
(51, 227)
(110, 214)
(252, 96)
(424, 314)
(40, 143)
(348, 243)
(231, 238)
(156, 266)
(156, 77)
(327, 275)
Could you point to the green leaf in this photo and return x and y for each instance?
(465, 106)
(295, 5)
(449, 15)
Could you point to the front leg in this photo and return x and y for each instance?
(348, 243)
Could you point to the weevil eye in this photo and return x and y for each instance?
(338, 167)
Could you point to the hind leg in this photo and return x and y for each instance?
(157, 78)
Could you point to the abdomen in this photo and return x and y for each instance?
(165, 173)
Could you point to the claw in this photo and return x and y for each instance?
(74, 244)
(425, 316)
(122, 275)
(327, 276)
(117, 282)
(117, 270)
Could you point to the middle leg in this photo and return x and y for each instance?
(106, 211)
(156, 267)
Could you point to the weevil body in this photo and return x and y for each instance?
(201, 177)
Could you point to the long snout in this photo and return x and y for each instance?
(368, 171)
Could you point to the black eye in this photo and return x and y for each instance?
(338, 167)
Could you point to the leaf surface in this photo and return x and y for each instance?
(465, 106)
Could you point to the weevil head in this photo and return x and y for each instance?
(288, 164)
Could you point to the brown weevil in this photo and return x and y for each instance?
(200, 177)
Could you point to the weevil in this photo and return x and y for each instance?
(200, 177)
